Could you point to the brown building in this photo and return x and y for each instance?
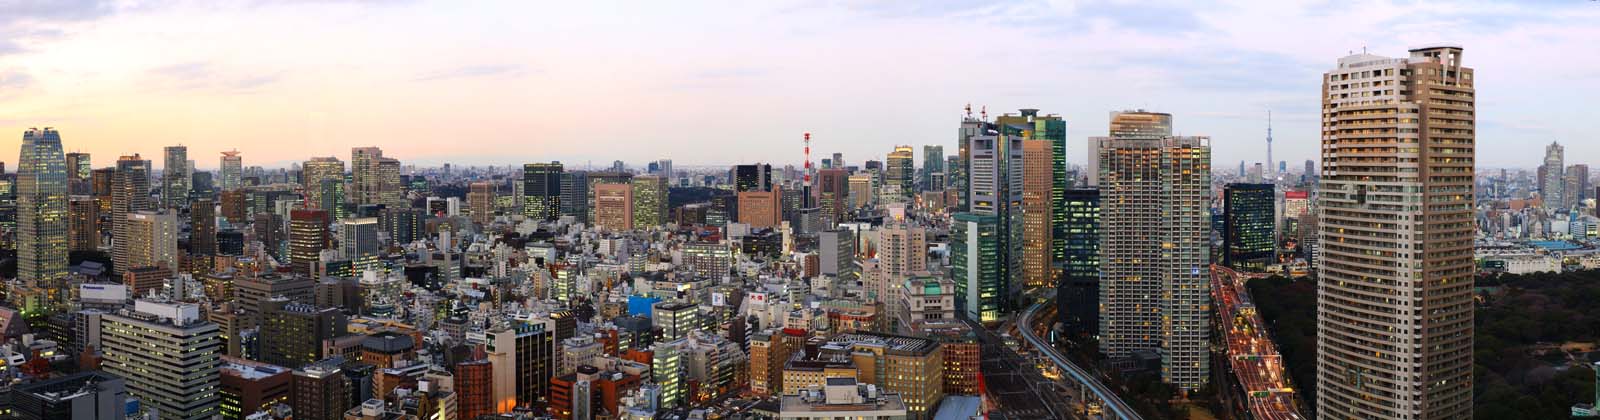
(83, 223)
(605, 391)
(202, 227)
(613, 206)
(480, 201)
(252, 291)
(833, 194)
(1036, 184)
(385, 348)
(767, 356)
(474, 381)
(1395, 265)
(235, 206)
(249, 386)
(320, 392)
(292, 332)
(141, 280)
(308, 236)
(761, 209)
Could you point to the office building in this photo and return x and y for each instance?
(754, 177)
(374, 179)
(308, 236)
(1552, 185)
(833, 195)
(1248, 238)
(1051, 129)
(933, 160)
(175, 179)
(130, 193)
(170, 358)
(474, 380)
(231, 170)
(480, 202)
(317, 171)
(1155, 289)
(524, 359)
(613, 206)
(1078, 293)
(592, 179)
(541, 190)
(80, 172)
(83, 223)
(975, 266)
(761, 209)
(292, 333)
(574, 195)
(1038, 264)
(91, 395)
(42, 213)
(899, 172)
(358, 239)
(1394, 337)
(902, 252)
(863, 191)
(322, 391)
(649, 201)
(202, 227)
(151, 240)
(675, 319)
(767, 355)
(249, 387)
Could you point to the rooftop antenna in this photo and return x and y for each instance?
(984, 112)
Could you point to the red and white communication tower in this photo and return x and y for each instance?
(807, 177)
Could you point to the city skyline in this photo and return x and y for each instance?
(121, 78)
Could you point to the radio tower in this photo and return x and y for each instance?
(805, 196)
(1272, 165)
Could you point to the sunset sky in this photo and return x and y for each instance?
(704, 83)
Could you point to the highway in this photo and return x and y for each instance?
(1112, 403)
(1252, 356)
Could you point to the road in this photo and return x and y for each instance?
(1112, 403)
(1015, 386)
(1252, 356)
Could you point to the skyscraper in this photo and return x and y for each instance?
(1551, 178)
(1154, 289)
(1395, 263)
(833, 195)
(903, 252)
(313, 173)
(932, 163)
(975, 266)
(202, 227)
(649, 201)
(480, 202)
(42, 212)
(993, 169)
(613, 206)
(130, 193)
(1078, 294)
(541, 190)
(574, 195)
(175, 177)
(755, 177)
(83, 224)
(79, 171)
(365, 181)
(1049, 128)
(1037, 261)
(899, 172)
(308, 236)
(151, 240)
(232, 170)
(1248, 240)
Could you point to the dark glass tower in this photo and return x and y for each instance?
(541, 190)
(1248, 223)
(1078, 292)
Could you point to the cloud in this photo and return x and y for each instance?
(473, 71)
(11, 80)
(207, 77)
(13, 11)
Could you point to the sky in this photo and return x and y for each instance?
(715, 83)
